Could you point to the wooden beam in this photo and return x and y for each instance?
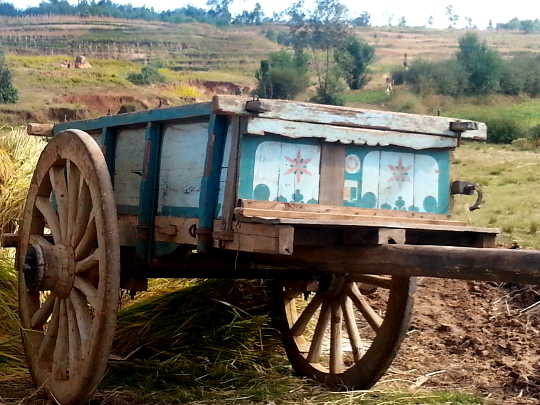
(345, 116)
(498, 265)
(332, 168)
(40, 129)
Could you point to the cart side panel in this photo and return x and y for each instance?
(274, 168)
(130, 150)
(181, 169)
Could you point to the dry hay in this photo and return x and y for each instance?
(18, 157)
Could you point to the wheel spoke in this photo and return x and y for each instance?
(352, 328)
(88, 241)
(315, 349)
(88, 290)
(336, 350)
(49, 340)
(88, 263)
(84, 319)
(300, 325)
(363, 306)
(58, 181)
(44, 205)
(84, 208)
(42, 314)
(74, 176)
(60, 356)
(74, 339)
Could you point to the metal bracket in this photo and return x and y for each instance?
(467, 188)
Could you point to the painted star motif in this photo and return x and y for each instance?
(401, 174)
(298, 166)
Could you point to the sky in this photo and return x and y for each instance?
(416, 12)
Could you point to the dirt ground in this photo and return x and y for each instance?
(473, 336)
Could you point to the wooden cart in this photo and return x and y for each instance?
(343, 207)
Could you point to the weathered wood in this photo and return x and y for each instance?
(337, 209)
(167, 229)
(245, 213)
(9, 240)
(332, 168)
(345, 116)
(258, 238)
(498, 265)
(231, 182)
(40, 129)
(347, 135)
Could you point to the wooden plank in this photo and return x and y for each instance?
(141, 117)
(243, 213)
(231, 183)
(345, 116)
(346, 135)
(332, 170)
(258, 238)
(130, 148)
(9, 240)
(167, 229)
(40, 129)
(370, 222)
(336, 209)
(498, 265)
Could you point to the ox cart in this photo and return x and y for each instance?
(343, 207)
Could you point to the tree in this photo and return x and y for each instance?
(402, 22)
(469, 23)
(324, 31)
(364, 20)
(354, 60)
(490, 25)
(482, 63)
(430, 21)
(148, 75)
(453, 18)
(283, 75)
(220, 10)
(8, 93)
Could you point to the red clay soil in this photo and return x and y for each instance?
(473, 336)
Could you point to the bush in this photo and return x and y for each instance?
(148, 75)
(8, 93)
(505, 130)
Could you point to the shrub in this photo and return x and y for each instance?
(148, 75)
(504, 130)
(8, 93)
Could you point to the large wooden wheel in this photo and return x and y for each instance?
(69, 268)
(344, 333)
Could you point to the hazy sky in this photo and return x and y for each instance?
(416, 12)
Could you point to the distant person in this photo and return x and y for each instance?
(389, 84)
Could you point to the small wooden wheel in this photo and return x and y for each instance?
(69, 268)
(345, 333)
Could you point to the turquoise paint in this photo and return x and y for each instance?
(184, 212)
(248, 147)
(437, 204)
(108, 147)
(149, 190)
(141, 118)
(217, 134)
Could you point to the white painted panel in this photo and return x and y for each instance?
(299, 172)
(287, 171)
(182, 165)
(129, 160)
(396, 189)
(267, 170)
(370, 174)
(347, 135)
(426, 183)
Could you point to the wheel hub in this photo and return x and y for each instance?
(49, 268)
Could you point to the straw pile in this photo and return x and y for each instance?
(18, 156)
(208, 321)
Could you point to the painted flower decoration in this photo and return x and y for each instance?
(401, 174)
(298, 166)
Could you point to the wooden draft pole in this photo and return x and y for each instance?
(486, 264)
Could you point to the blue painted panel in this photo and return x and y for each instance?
(279, 169)
(397, 178)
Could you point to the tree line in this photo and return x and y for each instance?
(218, 13)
